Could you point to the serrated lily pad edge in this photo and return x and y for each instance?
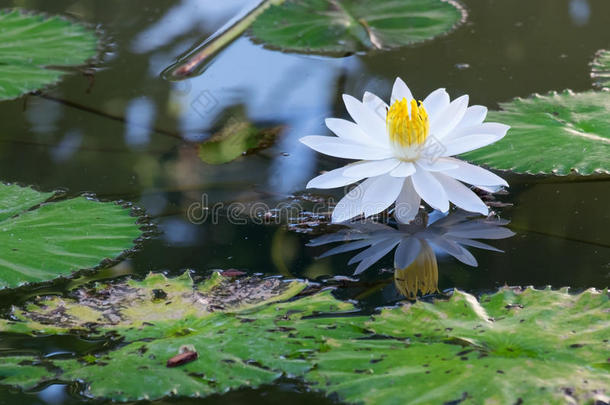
(146, 227)
(553, 173)
(448, 295)
(602, 74)
(103, 46)
(461, 8)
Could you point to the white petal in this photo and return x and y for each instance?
(474, 175)
(371, 122)
(350, 205)
(333, 146)
(475, 115)
(404, 169)
(430, 190)
(406, 252)
(467, 143)
(349, 131)
(437, 165)
(407, 203)
(381, 194)
(332, 179)
(487, 128)
(446, 120)
(436, 102)
(371, 168)
(400, 91)
(375, 103)
(461, 195)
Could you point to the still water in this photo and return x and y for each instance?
(123, 132)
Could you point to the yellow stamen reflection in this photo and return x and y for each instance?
(419, 276)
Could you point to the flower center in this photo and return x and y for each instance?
(407, 132)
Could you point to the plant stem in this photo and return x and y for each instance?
(190, 63)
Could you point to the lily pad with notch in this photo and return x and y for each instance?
(42, 238)
(37, 50)
(347, 26)
(557, 133)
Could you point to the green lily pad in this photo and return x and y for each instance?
(237, 137)
(542, 345)
(40, 240)
(36, 49)
(340, 26)
(600, 69)
(559, 133)
(556, 133)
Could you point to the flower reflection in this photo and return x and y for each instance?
(417, 244)
(421, 275)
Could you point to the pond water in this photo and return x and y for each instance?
(120, 133)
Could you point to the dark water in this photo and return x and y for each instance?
(118, 133)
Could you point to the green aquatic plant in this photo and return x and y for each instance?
(341, 26)
(37, 49)
(544, 345)
(333, 27)
(555, 133)
(43, 238)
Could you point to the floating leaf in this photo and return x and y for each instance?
(234, 327)
(513, 346)
(36, 49)
(555, 133)
(340, 26)
(600, 69)
(237, 137)
(40, 241)
(546, 346)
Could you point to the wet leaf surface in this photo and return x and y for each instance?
(333, 26)
(36, 49)
(543, 345)
(40, 241)
(556, 133)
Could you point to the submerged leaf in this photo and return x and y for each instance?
(340, 26)
(40, 241)
(237, 137)
(546, 346)
(555, 133)
(600, 69)
(36, 49)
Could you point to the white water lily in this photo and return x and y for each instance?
(404, 154)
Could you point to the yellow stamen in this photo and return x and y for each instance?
(407, 129)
